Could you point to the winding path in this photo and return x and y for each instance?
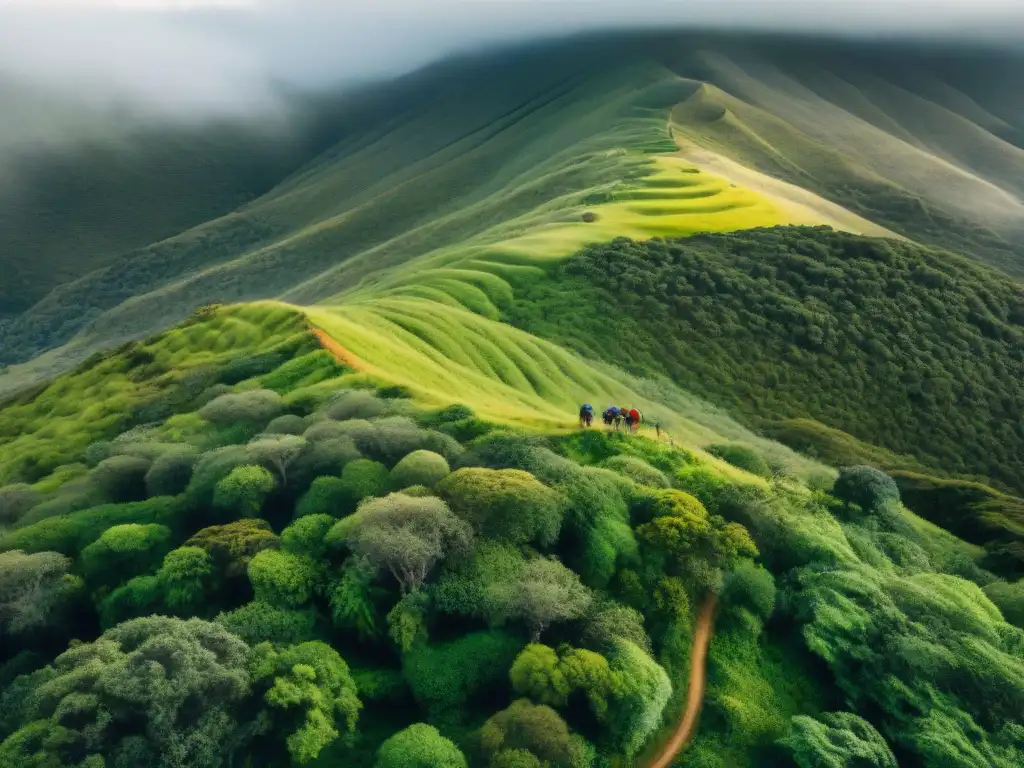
(695, 694)
(341, 354)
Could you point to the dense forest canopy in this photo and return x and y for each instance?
(908, 348)
(272, 567)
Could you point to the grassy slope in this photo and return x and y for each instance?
(469, 151)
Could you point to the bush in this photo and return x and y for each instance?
(170, 473)
(15, 501)
(34, 588)
(419, 746)
(388, 440)
(253, 408)
(319, 458)
(326, 496)
(356, 404)
(536, 729)
(750, 586)
(506, 504)
(364, 478)
(419, 468)
(211, 468)
(282, 579)
(233, 545)
(306, 536)
(243, 490)
(289, 424)
(123, 551)
(1009, 599)
(637, 470)
(869, 488)
(741, 456)
(259, 622)
(121, 478)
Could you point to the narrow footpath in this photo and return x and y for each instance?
(695, 694)
(341, 354)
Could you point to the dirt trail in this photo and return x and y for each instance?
(695, 695)
(341, 354)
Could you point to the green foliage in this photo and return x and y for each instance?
(356, 404)
(637, 470)
(124, 551)
(233, 545)
(644, 691)
(35, 589)
(364, 478)
(552, 678)
(407, 621)
(444, 676)
(419, 746)
(121, 478)
(538, 730)
(326, 496)
(71, 533)
(254, 408)
(868, 488)
(258, 622)
(597, 526)
(611, 622)
(419, 468)
(321, 457)
(243, 490)
(170, 473)
(352, 600)
(185, 580)
(896, 344)
(289, 424)
(310, 695)
(543, 592)
(1009, 599)
(403, 535)
(508, 505)
(306, 536)
(836, 740)
(471, 586)
(741, 456)
(751, 587)
(15, 501)
(282, 579)
(155, 688)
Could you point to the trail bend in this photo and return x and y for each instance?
(695, 694)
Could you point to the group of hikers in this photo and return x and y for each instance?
(613, 416)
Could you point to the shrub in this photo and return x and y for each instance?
(356, 404)
(466, 588)
(668, 503)
(233, 545)
(836, 738)
(326, 496)
(637, 470)
(259, 622)
(289, 424)
(419, 746)
(281, 578)
(500, 450)
(419, 468)
(243, 490)
(121, 478)
(211, 468)
(170, 473)
(364, 478)
(536, 729)
(123, 551)
(321, 457)
(703, 483)
(509, 505)
(543, 592)
(750, 586)
(15, 501)
(388, 440)
(869, 488)
(253, 408)
(741, 456)
(306, 536)
(33, 589)
(186, 579)
(1009, 599)
(613, 622)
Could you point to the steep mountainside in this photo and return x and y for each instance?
(921, 142)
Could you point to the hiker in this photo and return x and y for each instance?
(586, 415)
(623, 414)
(611, 413)
(657, 428)
(627, 415)
(635, 417)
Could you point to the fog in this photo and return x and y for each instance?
(67, 66)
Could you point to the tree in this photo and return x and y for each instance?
(244, 490)
(419, 746)
(233, 545)
(419, 468)
(612, 621)
(362, 479)
(309, 693)
(170, 473)
(276, 453)
(185, 580)
(15, 501)
(750, 586)
(544, 592)
(122, 478)
(867, 487)
(406, 536)
(253, 408)
(258, 622)
(34, 589)
(836, 740)
(505, 504)
(326, 496)
(407, 621)
(158, 690)
(289, 424)
(551, 677)
(537, 729)
(307, 536)
(123, 551)
(644, 690)
(281, 578)
(355, 404)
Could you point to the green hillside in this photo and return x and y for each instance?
(473, 148)
(269, 558)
